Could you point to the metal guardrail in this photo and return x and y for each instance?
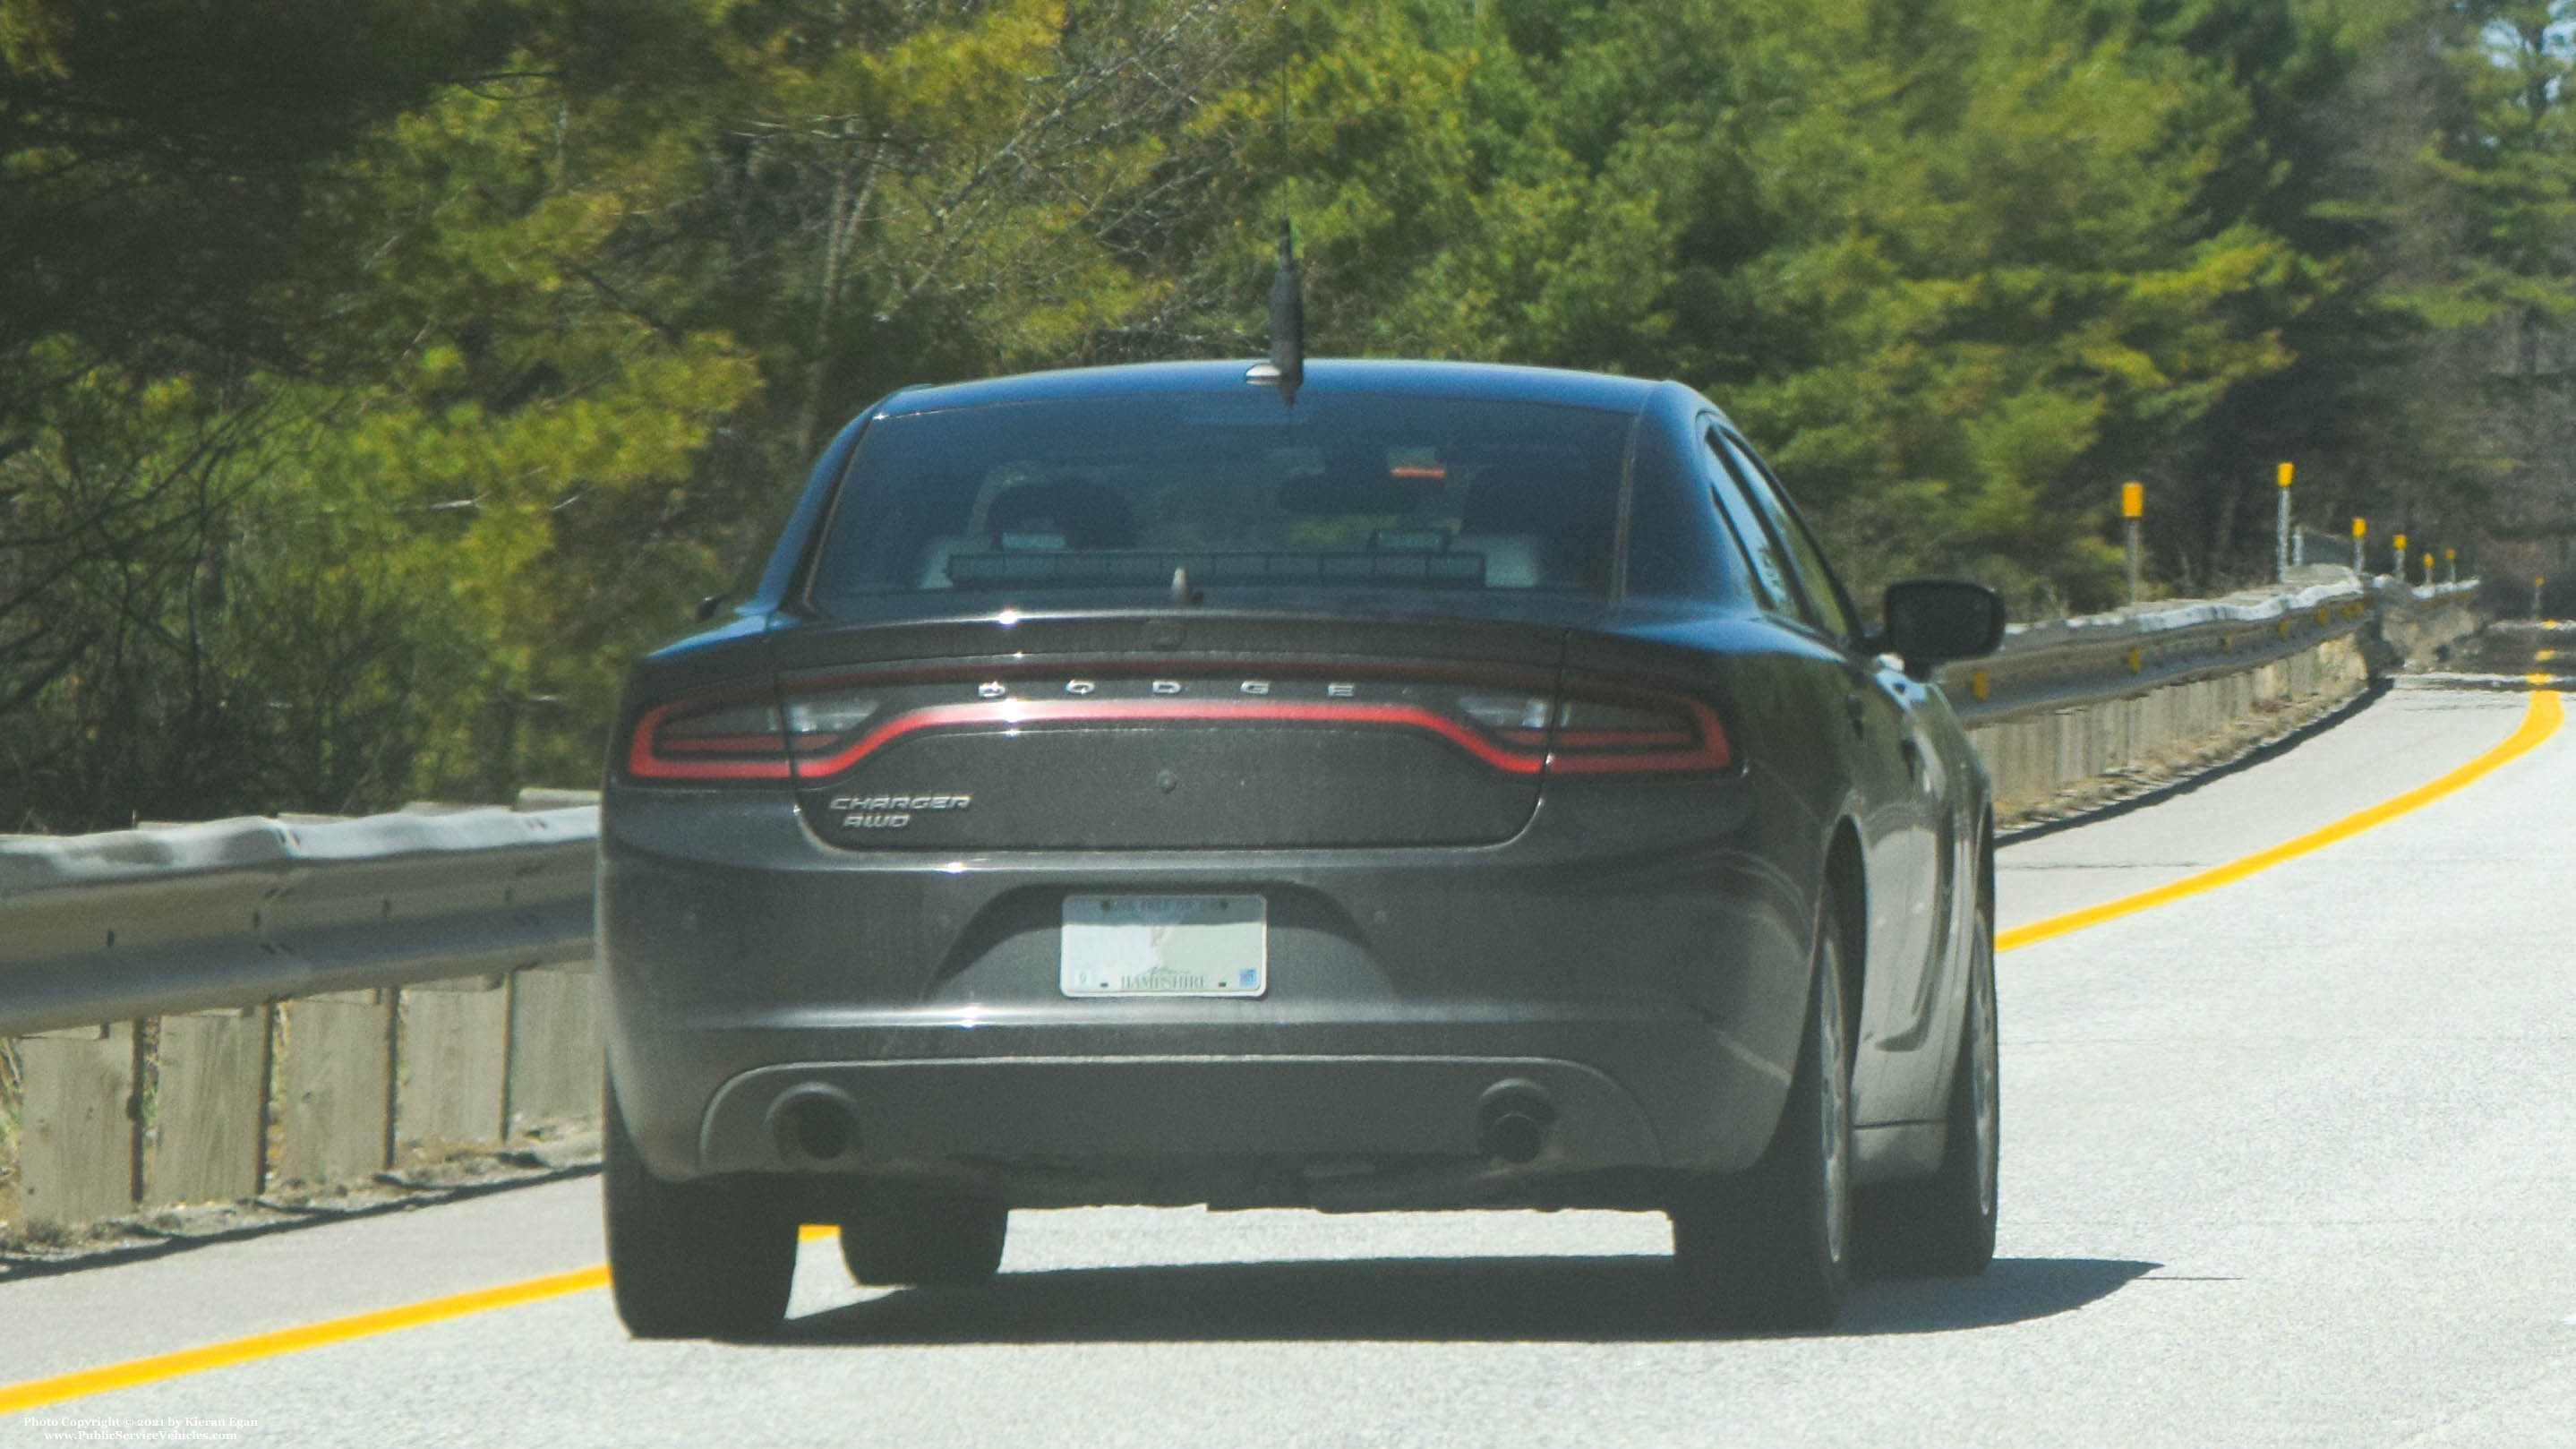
(136, 924)
(143, 923)
(2067, 663)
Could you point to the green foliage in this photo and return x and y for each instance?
(379, 377)
(1953, 263)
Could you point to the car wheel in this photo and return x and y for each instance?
(1944, 1225)
(689, 1260)
(925, 1240)
(1771, 1247)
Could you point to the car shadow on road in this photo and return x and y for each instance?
(1545, 1299)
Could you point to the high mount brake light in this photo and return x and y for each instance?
(834, 725)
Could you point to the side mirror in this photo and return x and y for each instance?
(1933, 621)
(707, 606)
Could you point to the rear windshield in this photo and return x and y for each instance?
(1116, 494)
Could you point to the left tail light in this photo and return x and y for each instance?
(734, 735)
(739, 735)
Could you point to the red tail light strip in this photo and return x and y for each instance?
(1089, 711)
(1575, 752)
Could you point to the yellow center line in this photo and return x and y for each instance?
(36, 1393)
(2539, 720)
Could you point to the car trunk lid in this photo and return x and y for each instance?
(1184, 730)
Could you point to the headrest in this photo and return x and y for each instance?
(1087, 514)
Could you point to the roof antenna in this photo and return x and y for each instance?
(1286, 368)
(1288, 318)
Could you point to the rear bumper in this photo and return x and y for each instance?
(1642, 986)
(1271, 1126)
(1283, 1129)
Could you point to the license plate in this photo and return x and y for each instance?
(1165, 946)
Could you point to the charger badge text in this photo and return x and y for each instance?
(891, 812)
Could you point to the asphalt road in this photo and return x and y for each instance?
(2291, 1161)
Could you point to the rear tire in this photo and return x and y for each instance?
(1944, 1226)
(687, 1259)
(914, 1241)
(1771, 1248)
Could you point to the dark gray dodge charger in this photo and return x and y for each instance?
(1436, 786)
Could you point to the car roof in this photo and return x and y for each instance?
(1324, 376)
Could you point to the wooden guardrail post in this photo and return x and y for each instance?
(77, 1133)
(210, 1102)
(451, 1064)
(333, 1098)
(555, 1055)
